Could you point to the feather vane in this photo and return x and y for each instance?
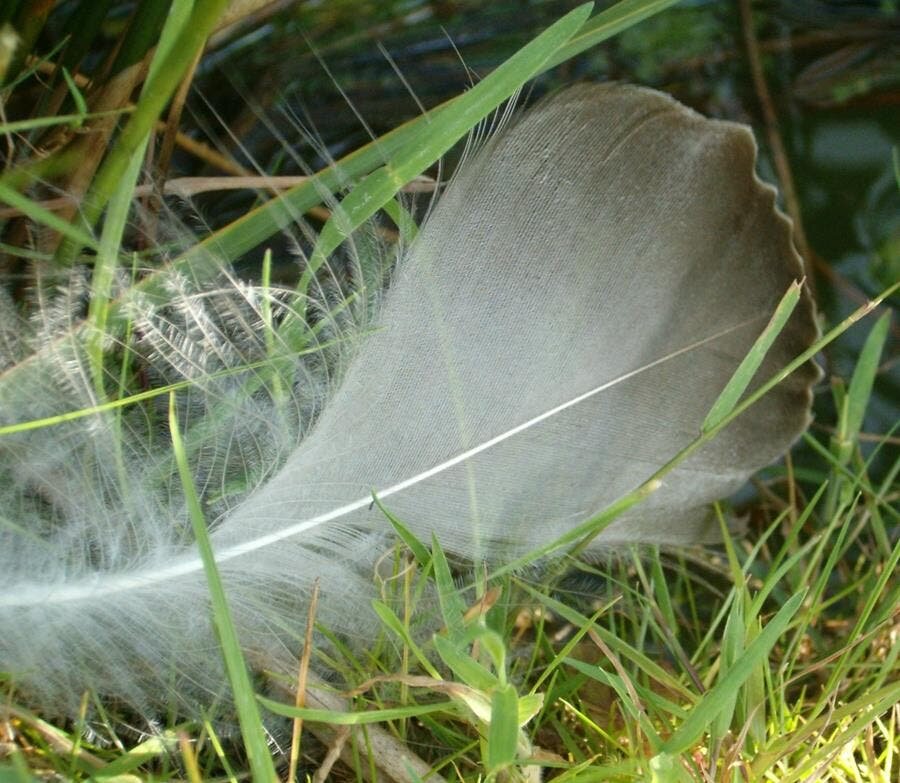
(559, 329)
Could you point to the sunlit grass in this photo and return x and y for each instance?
(773, 658)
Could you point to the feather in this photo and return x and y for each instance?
(559, 329)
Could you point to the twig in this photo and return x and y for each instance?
(773, 135)
(187, 187)
(244, 14)
(335, 751)
(302, 679)
(160, 168)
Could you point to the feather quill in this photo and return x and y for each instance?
(558, 330)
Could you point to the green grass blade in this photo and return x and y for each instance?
(851, 718)
(19, 126)
(585, 624)
(851, 405)
(245, 703)
(420, 552)
(35, 212)
(463, 666)
(105, 267)
(355, 718)
(80, 103)
(721, 694)
(666, 768)
(810, 353)
(503, 731)
(452, 606)
(886, 576)
(588, 530)
(615, 682)
(492, 645)
(169, 66)
(742, 376)
(442, 131)
(860, 389)
(783, 569)
(582, 532)
(732, 648)
(403, 219)
(145, 752)
(133, 399)
(592, 527)
(608, 23)
(393, 623)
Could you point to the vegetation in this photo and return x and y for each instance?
(773, 658)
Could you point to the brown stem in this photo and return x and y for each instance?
(773, 135)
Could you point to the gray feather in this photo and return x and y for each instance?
(565, 319)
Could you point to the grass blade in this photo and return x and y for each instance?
(721, 694)
(503, 731)
(244, 698)
(860, 389)
(453, 609)
(41, 216)
(739, 382)
(442, 131)
(166, 73)
(608, 23)
(418, 549)
(463, 666)
(354, 718)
